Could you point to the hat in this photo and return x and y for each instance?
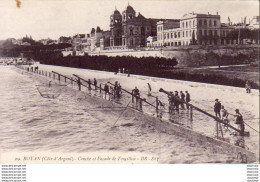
(216, 99)
(237, 110)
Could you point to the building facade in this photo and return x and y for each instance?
(129, 30)
(193, 28)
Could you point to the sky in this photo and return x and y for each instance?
(55, 18)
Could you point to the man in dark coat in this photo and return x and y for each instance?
(187, 98)
(217, 108)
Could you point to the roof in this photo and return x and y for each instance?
(199, 15)
(140, 16)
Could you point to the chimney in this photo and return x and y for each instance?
(217, 13)
(208, 13)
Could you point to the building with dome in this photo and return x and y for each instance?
(130, 30)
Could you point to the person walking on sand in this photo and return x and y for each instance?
(95, 83)
(248, 87)
(183, 99)
(106, 89)
(149, 89)
(240, 122)
(187, 99)
(217, 108)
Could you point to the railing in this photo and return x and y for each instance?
(218, 120)
(142, 105)
(139, 103)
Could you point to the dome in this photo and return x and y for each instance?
(129, 8)
(116, 12)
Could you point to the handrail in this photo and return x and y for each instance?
(87, 81)
(200, 110)
(63, 76)
(134, 95)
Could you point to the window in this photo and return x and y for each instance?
(205, 22)
(210, 23)
(210, 32)
(215, 23)
(171, 35)
(183, 34)
(200, 32)
(179, 34)
(200, 23)
(183, 24)
(189, 23)
(167, 35)
(193, 23)
(131, 31)
(216, 32)
(186, 33)
(205, 32)
(186, 24)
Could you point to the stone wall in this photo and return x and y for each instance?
(186, 56)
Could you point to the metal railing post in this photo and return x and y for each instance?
(79, 84)
(191, 114)
(141, 104)
(132, 97)
(157, 104)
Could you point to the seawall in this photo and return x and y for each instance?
(186, 56)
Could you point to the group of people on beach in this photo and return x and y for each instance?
(115, 90)
(219, 108)
(175, 100)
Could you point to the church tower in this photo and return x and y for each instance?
(128, 15)
(116, 28)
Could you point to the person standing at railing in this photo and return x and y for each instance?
(89, 84)
(106, 89)
(149, 89)
(240, 121)
(171, 102)
(95, 83)
(224, 114)
(119, 90)
(136, 94)
(115, 88)
(217, 108)
(183, 99)
(187, 99)
(176, 101)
